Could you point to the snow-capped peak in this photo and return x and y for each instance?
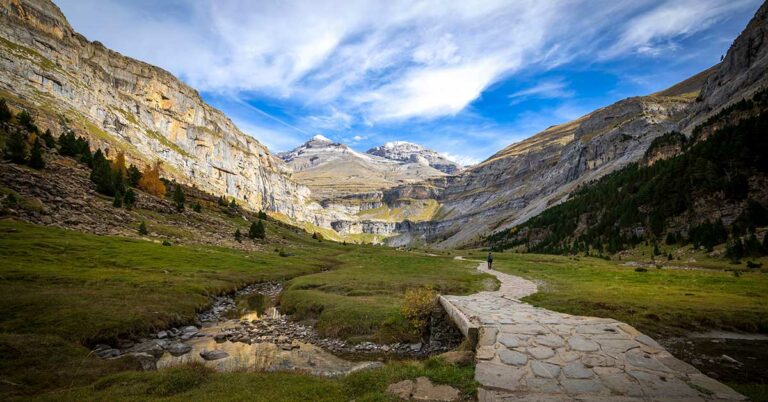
(321, 137)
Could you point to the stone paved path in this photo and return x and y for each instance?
(526, 353)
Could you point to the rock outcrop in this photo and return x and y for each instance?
(409, 152)
(122, 104)
(333, 170)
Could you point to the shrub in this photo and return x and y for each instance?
(178, 198)
(284, 253)
(102, 175)
(238, 236)
(143, 228)
(167, 243)
(5, 112)
(16, 147)
(47, 137)
(751, 264)
(257, 230)
(25, 120)
(36, 155)
(262, 215)
(150, 180)
(417, 307)
(130, 198)
(197, 207)
(117, 202)
(640, 269)
(134, 175)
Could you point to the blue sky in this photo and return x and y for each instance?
(465, 78)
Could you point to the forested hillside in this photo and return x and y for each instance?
(714, 190)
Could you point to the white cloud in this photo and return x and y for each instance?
(653, 32)
(464, 160)
(359, 138)
(375, 62)
(550, 89)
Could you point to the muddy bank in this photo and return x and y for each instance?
(725, 356)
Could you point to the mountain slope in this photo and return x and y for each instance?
(332, 170)
(123, 104)
(716, 185)
(410, 152)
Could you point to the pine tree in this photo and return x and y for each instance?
(16, 147)
(257, 230)
(262, 215)
(68, 144)
(656, 250)
(50, 142)
(197, 207)
(117, 202)
(222, 201)
(25, 120)
(5, 112)
(134, 175)
(233, 205)
(238, 236)
(101, 174)
(178, 198)
(129, 200)
(150, 181)
(36, 156)
(261, 231)
(118, 165)
(143, 228)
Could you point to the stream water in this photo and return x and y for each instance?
(245, 331)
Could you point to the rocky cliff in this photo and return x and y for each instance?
(124, 104)
(409, 152)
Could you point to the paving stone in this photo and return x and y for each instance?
(568, 355)
(485, 353)
(510, 341)
(513, 357)
(622, 384)
(545, 370)
(541, 352)
(676, 364)
(582, 386)
(577, 370)
(596, 360)
(614, 346)
(543, 385)
(498, 375)
(487, 336)
(550, 340)
(596, 329)
(582, 344)
(654, 385)
(641, 359)
(526, 329)
(647, 340)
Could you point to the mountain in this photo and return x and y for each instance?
(332, 170)
(409, 152)
(122, 104)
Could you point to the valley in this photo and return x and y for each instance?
(153, 250)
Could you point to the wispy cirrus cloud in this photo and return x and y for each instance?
(343, 65)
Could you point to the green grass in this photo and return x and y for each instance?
(364, 291)
(659, 301)
(60, 289)
(198, 383)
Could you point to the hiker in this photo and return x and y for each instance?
(490, 261)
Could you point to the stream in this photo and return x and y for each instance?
(245, 331)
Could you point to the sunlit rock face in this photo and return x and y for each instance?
(124, 104)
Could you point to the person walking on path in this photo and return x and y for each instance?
(490, 261)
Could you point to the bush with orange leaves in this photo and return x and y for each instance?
(417, 307)
(150, 180)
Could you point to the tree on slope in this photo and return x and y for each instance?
(150, 180)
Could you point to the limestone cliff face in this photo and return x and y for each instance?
(124, 104)
(741, 73)
(525, 178)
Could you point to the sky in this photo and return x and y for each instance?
(465, 78)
